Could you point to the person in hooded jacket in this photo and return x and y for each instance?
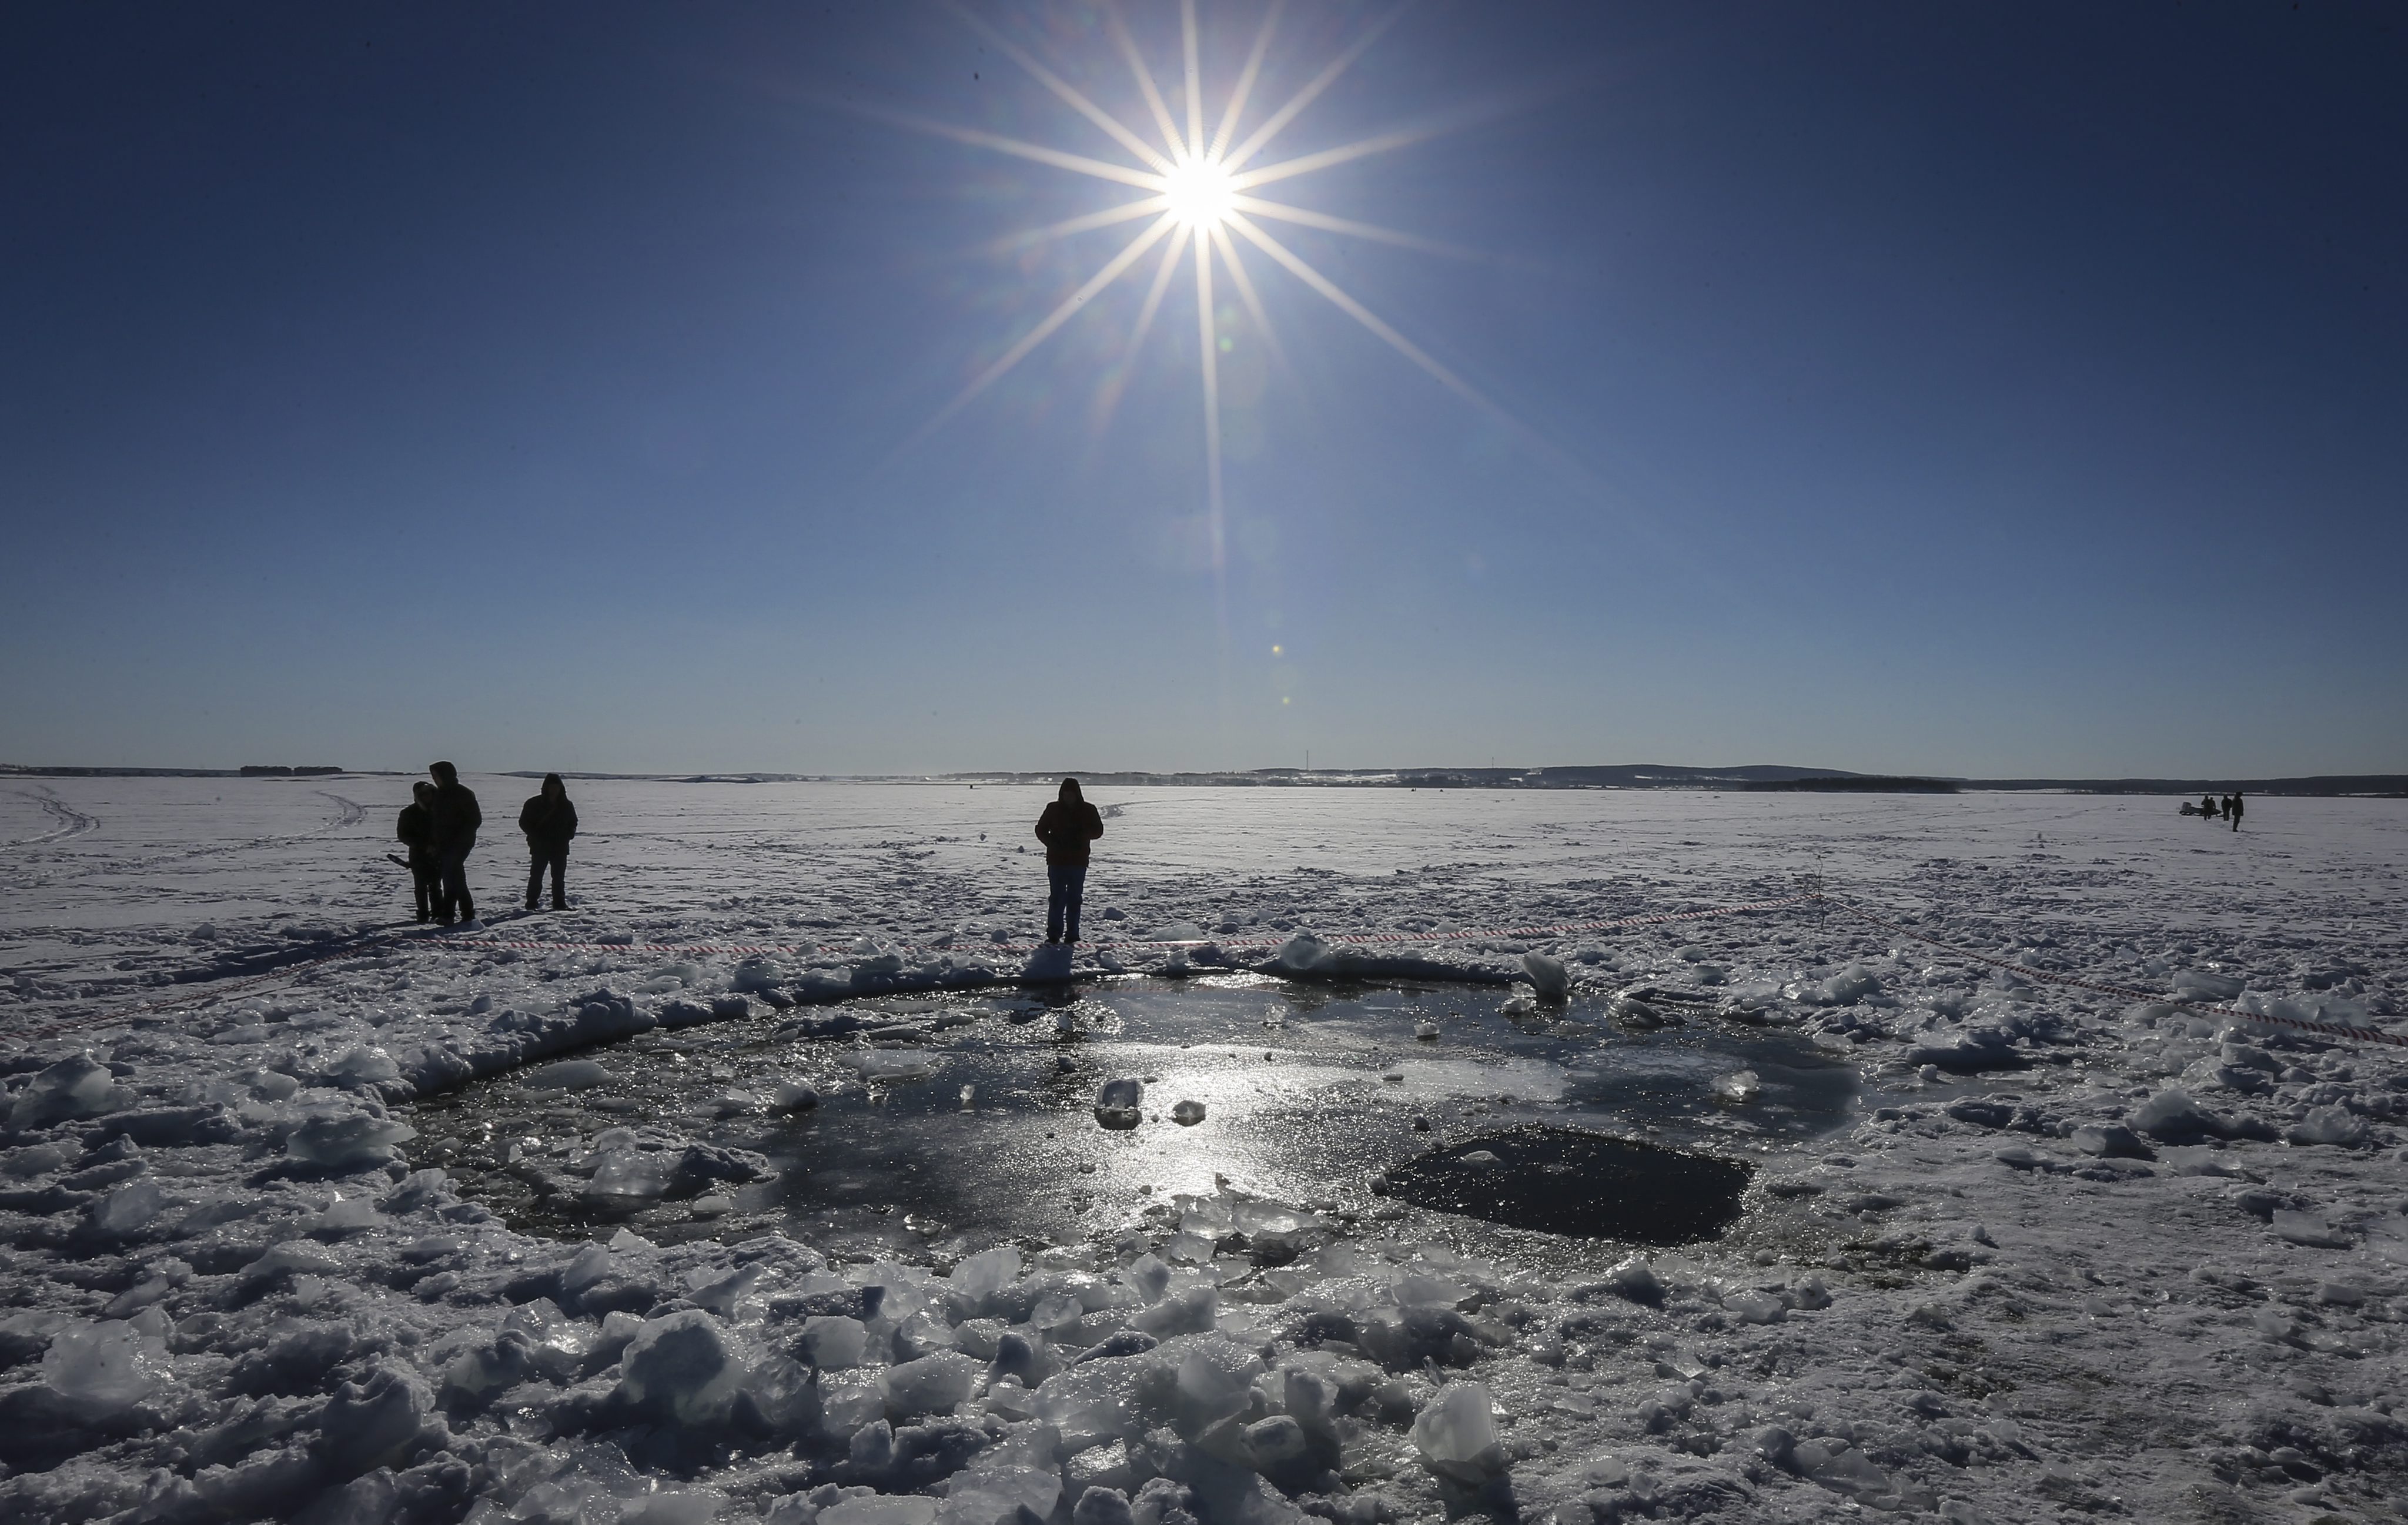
(456, 817)
(416, 830)
(1065, 827)
(549, 821)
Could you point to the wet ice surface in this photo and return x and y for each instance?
(2070, 1256)
(955, 1122)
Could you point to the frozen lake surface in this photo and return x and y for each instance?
(2006, 1249)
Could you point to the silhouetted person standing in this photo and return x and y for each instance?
(2208, 806)
(2232, 808)
(416, 828)
(549, 821)
(1065, 827)
(456, 819)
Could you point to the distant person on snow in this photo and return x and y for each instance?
(2232, 808)
(416, 828)
(2207, 806)
(1065, 827)
(549, 821)
(456, 819)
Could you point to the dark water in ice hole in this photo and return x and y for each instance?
(1310, 1092)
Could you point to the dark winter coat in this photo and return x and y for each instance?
(456, 819)
(417, 828)
(1065, 829)
(548, 827)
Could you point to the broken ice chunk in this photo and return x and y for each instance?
(1636, 1279)
(1738, 1087)
(78, 1086)
(347, 1142)
(682, 1366)
(2326, 1125)
(1548, 977)
(834, 1342)
(794, 1095)
(363, 1066)
(674, 1506)
(1149, 1276)
(1413, 1291)
(131, 1208)
(1120, 1103)
(2172, 1116)
(631, 1173)
(881, 1509)
(998, 1490)
(1277, 1443)
(1188, 1312)
(977, 1278)
(1754, 1307)
(2198, 984)
(2111, 1141)
(757, 973)
(342, 1218)
(887, 1066)
(38, 1159)
(1214, 1380)
(934, 1384)
(1187, 1113)
(2309, 1230)
(566, 1075)
(1456, 1434)
(106, 1368)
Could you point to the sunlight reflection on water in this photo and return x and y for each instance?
(1308, 1093)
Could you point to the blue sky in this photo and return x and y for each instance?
(1944, 389)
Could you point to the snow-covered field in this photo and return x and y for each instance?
(2069, 1256)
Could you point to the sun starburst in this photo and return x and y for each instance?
(1198, 202)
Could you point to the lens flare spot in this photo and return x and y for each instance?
(1201, 191)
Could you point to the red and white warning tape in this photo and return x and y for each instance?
(471, 944)
(1481, 934)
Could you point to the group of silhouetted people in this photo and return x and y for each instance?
(2226, 809)
(440, 828)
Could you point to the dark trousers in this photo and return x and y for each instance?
(1067, 886)
(426, 882)
(456, 901)
(556, 857)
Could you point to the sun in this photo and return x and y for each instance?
(1201, 193)
(1198, 190)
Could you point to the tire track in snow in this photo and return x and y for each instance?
(72, 822)
(348, 813)
(353, 812)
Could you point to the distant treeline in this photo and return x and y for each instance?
(1748, 779)
(2373, 785)
(280, 771)
(1858, 784)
